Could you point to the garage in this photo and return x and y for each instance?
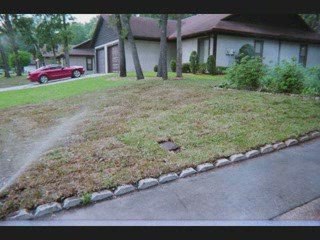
(113, 58)
(101, 65)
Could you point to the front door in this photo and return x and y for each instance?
(113, 59)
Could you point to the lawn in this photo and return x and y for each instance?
(13, 81)
(117, 141)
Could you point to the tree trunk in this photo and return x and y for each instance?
(122, 54)
(126, 24)
(159, 72)
(164, 47)
(65, 42)
(15, 48)
(4, 61)
(179, 48)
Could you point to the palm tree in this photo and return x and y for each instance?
(125, 23)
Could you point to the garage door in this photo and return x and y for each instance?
(113, 59)
(101, 65)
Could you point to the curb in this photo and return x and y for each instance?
(104, 194)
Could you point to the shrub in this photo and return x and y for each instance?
(185, 67)
(86, 198)
(211, 64)
(245, 50)
(287, 77)
(23, 56)
(202, 68)
(246, 74)
(221, 70)
(194, 62)
(155, 68)
(173, 65)
(312, 81)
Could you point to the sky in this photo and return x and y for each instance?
(83, 18)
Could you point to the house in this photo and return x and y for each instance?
(79, 55)
(274, 37)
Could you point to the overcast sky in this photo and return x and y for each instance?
(83, 18)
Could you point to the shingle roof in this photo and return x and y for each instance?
(79, 52)
(145, 27)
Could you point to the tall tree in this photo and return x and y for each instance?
(122, 54)
(4, 59)
(179, 48)
(65, 37)
(7, 27)
(125, 21)
(313, 20)
(163, 47)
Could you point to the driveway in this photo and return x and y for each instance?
(34, 84)
(283, 185)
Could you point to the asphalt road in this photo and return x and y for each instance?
(271, 187)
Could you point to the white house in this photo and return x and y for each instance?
(274, 37)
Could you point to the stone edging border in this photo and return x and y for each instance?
(317, 98)
(49, 208)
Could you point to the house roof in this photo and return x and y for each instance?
(148, 28)
(145, 27)
(79, 52)
(84, 45)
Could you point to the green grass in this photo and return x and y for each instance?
(117, 142)
(13, 81)
(57, 91)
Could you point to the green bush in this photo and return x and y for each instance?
(286, 77)
(86, 198)
(24, 57)
(173, 65)
(211, 64)
(312, 81)
(194, 62)
(221, 70)
(155, 68)
(245, 50)
(247, 73)
(202, 68)
(186, 67)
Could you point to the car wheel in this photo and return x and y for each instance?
(43, 79)
(76, 73)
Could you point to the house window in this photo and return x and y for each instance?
(203, 49)
(89, 64)
(258, 48)
(303, 54)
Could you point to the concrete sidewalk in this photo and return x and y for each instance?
(263, 188)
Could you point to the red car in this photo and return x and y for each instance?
(49, 72)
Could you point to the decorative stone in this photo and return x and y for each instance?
(168, 177)
(317, 98)
(315, 134)
(266, 149)
(279, 145)
(222, 162)
(237, 157)
(97, 196)
(71, 202)
(304, 138)
(146, 183)
(169, 146)
(291, 142)
(47, 208)
(22, 214)
(187, 172)
(124, 189)
(204, 167)
(252, 153)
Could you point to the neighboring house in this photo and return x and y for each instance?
(274, 37)
(80, 55)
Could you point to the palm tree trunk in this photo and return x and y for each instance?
(179, 48)
(4, 61)
(122, 54)
(137, 66)
(164, 46)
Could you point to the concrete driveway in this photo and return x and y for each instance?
(276, 186)
(34, 84)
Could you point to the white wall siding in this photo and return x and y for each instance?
(289, 50)
(270, 52)
(80, 61)
(188, 45)
(148, 52)
(313, 55)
